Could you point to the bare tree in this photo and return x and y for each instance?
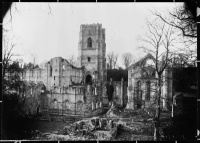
(183, 18)
(112, 60)
(160, 38)
(7, 53)
(127, 59)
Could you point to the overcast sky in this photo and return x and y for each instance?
(52, 30)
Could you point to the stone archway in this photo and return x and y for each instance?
(88, 79)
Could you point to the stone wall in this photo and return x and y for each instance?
(66, 86)
(142, 80)
(57, 73)
(92, 56)
(120, 95)
(75, 100)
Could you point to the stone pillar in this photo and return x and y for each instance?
(93, 105)
(135, 93)
(100, 104)
(143, 87)
(130, 104)
(95, 91)
(97, 105)
(122, 92)
(131, 95)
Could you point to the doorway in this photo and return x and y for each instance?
(88, 79)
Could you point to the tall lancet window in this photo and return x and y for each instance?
(89, 42)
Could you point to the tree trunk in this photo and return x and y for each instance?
(157, 116)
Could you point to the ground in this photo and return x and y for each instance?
(117, 125)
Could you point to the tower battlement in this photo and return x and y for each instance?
(90, 25)
(92, 50)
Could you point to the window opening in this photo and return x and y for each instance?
(88, 59)
(50, 70)
(89, 42)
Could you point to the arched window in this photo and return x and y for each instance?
(139, 96)
(148, 90)
(55, 104)
(88, 59)
(50, 70)
(89, 42)
(63, 67)
(88, 79)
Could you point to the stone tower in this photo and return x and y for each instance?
(92, 52)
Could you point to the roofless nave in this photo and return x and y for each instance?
(82, 90)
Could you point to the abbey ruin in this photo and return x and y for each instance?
(142, 80)
(75, 90)
(82, 90)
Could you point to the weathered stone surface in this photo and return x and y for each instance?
(116, 129)
(142, 78)
(64, 81)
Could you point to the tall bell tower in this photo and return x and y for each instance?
(92, 52)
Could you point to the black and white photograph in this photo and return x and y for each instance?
(99, 71)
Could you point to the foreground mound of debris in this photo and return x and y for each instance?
(98, 128)
(116, 124)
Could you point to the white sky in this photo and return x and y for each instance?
(37, 32)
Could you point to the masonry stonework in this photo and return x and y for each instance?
(142, 80)
(75, 90)
(92, 51)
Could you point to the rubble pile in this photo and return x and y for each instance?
(95, 128)
(116, 124)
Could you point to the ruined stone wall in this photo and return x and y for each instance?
(57, 73)
(93, 57)
(117, 95)
(74, 100)
(120, 95)
(142, 86)
(140, 97)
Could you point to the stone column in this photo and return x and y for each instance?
(122, 92)
(97, 105)
(100, 104)
(93, 105)
(130, 104)
(95, 91)
(143, 91)
(131, 94)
